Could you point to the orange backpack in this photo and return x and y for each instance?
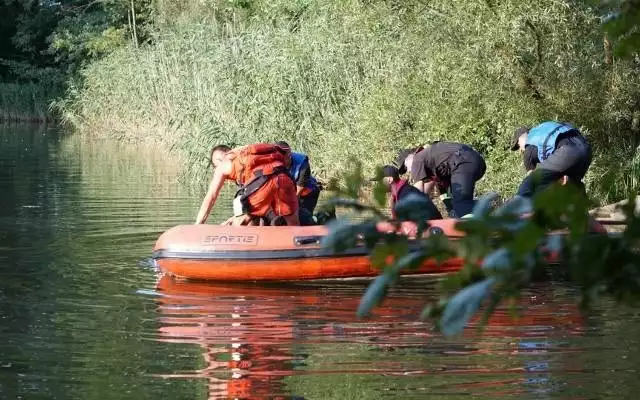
(255, 160)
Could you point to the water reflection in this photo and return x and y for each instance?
(245, 341)
(80, 319)
(261, 341)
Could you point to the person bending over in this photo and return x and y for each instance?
(307, 187)
(266, 189)
(557, 150)
(449, 165)
(400, 189)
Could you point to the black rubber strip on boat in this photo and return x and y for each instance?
(257, 254)
(288, 254)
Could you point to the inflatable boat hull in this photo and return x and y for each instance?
(280, 253)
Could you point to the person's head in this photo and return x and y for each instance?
(519, 138)
(405, 159)
(285, 146)
(390, 174)
(217, 154)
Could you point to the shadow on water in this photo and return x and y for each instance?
(80, 319)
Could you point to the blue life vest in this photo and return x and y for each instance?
(545, 136)
(297, 162)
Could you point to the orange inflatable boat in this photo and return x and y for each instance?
(277, 253)
(280, 253)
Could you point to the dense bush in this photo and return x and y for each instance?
(362, 78)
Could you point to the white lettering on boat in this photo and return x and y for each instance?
(240, 240)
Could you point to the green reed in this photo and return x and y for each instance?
(24, 102)
(342, 79)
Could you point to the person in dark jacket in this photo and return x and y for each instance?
(557, 150)
(449, 165)
(307, 187)
(400, 189)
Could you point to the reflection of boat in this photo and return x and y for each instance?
(272, 253)
(254, 336)
(249, 333)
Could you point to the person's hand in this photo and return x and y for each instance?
(228, 222)
(239, 220)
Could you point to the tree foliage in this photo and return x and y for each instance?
(36, 36)
(502, 251)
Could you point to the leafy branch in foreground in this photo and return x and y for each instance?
(502, 249)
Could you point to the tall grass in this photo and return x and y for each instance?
(346, 78)
(25, 102)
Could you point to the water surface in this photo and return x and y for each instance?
(82, 316)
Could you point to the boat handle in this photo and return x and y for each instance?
(306, 240)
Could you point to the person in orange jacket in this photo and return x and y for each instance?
(266, 188)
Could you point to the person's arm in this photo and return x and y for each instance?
(424, 187)
(419, 172)
(303, 178)
(530, 158)
(217, 181)
(428, 187)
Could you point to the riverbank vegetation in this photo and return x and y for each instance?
(354, 78)
(339, 79)
(43, 45)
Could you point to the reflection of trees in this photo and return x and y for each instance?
(75, 217)
(29, 205)
(253, 339)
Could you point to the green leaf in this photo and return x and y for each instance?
(379, 255)
(410, 261)
(380, 193)
(496, 298)
(463, 305)
(483, 205)
(341, 236)
(413, 208)
(400, 246)
(499, 260)
(527, 239)
(373, 296)
(516, 206)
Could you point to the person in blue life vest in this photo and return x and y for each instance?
(451, 166)
(307, 187)
(400, 189)
(559, 152)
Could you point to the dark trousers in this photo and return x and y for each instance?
(468, 170)
(307, 206)
(573, 160)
